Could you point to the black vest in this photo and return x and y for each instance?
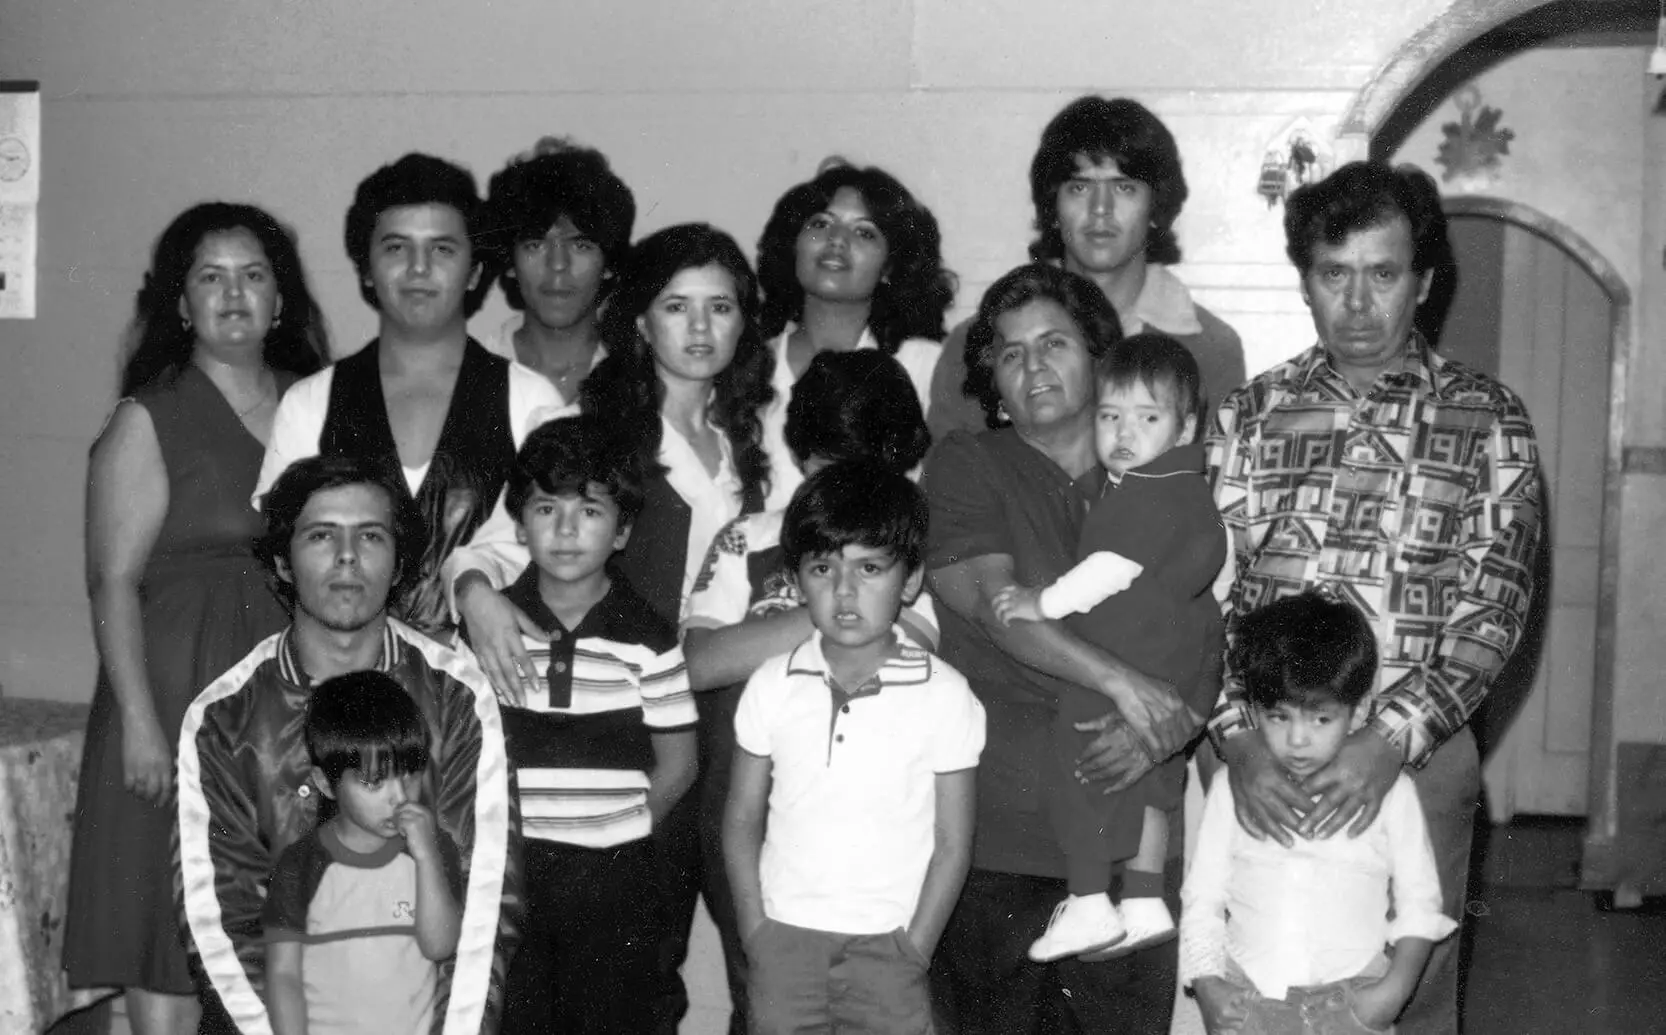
(654, 559)
(476, 445)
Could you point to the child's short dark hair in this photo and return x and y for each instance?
(1305, 650)
(564, 457)
(368, 722)
(855, 503)
(857, 405)
(1156, 361)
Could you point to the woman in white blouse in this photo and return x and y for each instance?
(848, 260)
(687, 376)
(685, 380)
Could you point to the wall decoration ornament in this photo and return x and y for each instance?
(1296, 157)
(1473, 151)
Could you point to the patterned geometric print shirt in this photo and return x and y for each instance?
(1418, 503)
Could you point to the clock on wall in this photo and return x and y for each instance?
(14, 158)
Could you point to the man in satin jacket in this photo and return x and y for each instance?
(338, 539)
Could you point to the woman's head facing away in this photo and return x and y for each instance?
(1031, 348)
(856, 406)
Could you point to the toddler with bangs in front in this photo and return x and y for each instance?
(360, 912)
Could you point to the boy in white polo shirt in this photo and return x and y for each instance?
(864, 751)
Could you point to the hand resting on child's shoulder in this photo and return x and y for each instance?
(1347, 791)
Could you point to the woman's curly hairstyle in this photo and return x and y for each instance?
(625, 387)
(1078, 296)
(914, 292)
(161, 342)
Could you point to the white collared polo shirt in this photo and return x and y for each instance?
(853, 795)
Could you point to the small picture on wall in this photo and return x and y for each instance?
(1295, 157)
(1471, 156)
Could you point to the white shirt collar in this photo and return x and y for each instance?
(1164, 305)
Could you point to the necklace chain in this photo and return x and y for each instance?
(268, 392)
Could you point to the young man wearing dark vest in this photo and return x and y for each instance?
(422, 398)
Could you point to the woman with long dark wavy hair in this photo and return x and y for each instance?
(848, 260)
(686, 378)
(686, 381)
(224, 324)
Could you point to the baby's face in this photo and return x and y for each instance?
(1135, 425)
(1304, 739)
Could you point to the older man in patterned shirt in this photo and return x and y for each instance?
(1405, 484)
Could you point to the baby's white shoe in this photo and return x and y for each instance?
(1148, 921)
(1081, 923)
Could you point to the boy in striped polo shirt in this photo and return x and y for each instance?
(603, 747)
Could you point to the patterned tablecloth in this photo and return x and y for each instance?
(40, 759)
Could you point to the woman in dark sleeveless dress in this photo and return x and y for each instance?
(225, 323)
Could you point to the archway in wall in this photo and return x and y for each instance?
(1414, 62)
(1427, 50)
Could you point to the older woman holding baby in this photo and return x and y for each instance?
(1007, 507)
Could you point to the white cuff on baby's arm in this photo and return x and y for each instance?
(1099, 577)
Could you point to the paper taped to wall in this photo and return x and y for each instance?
(19, 196)
(17, 262)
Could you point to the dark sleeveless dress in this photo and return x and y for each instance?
(205, 603)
